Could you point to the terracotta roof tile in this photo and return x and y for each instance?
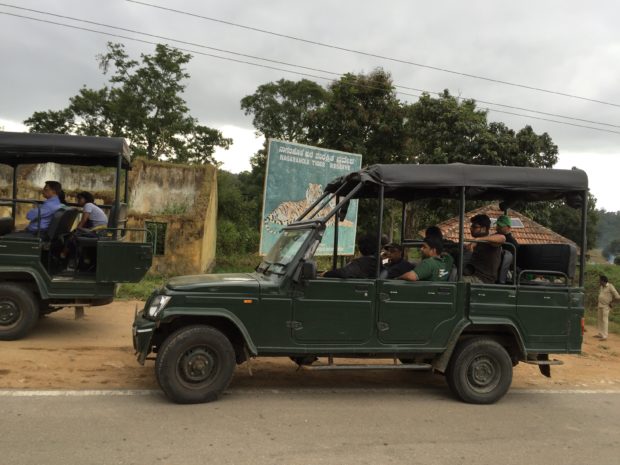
(531, 233)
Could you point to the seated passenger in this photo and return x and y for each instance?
(434, 231)
(396, 265)
(504, 226)
(54, 199)
(486, 256)
(435, 267)
(361, 267)
(92, 215)
(449, 247)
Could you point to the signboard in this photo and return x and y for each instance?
(296, 176)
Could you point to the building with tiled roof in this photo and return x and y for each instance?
(524, 229)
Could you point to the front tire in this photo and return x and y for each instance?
(19, 311)
(480, 371)
(195, 364)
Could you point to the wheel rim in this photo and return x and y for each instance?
(484, 373)
(197, 366)
(9, 313)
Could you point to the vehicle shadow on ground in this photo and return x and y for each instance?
(280, 375)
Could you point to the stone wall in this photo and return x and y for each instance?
(185, 198)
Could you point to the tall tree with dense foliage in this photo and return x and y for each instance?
(142, 102)
(447, 129)
(361, 113)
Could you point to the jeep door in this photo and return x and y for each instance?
(339, 311)
(421, 313)
(545, 314)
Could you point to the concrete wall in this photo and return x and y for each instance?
(185, 198)
(165, 188)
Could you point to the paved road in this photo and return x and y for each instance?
(314, 426)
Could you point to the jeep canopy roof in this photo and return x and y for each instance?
(17, 148)
(408, 181)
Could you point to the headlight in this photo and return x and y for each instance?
(157, 305)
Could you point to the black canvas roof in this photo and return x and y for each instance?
(484, 182)
(17, 148)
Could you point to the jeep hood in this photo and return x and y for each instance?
(230, 283)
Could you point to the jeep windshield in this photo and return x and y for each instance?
(283, 251)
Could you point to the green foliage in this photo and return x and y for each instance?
(609, 227)
(612, 249)
(173, 209)
(238, 212)
(142, 289)
(237, 263)
(564, 219)
(360, 113)
(141, 102)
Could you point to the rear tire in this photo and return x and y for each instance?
(19, 311)
(480, 371)
(195, 364)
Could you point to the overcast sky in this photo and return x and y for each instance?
(562, 46)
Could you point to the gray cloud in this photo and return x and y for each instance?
(568, 46)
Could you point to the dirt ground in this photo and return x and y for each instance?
(96, 353)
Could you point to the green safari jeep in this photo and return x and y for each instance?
(34, 278)
(201, 326)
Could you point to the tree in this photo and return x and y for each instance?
(449, 130)
(360, 113)
(609, 226)
(143, 103)
(237, 225)
(281, 110)
(567, 221)
(612, 249)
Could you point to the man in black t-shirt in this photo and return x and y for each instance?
(396, 265)
(486, 254)
(361, 267)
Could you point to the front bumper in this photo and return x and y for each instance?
(142, 330)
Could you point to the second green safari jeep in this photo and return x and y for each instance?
(201, 326)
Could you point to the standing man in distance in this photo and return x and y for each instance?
(607, 294)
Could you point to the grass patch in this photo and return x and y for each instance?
(140, 290)
(237, 263)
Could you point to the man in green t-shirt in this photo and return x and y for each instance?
(436, 265)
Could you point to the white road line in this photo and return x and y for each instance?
(149, 392)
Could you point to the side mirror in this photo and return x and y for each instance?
(308, 270)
